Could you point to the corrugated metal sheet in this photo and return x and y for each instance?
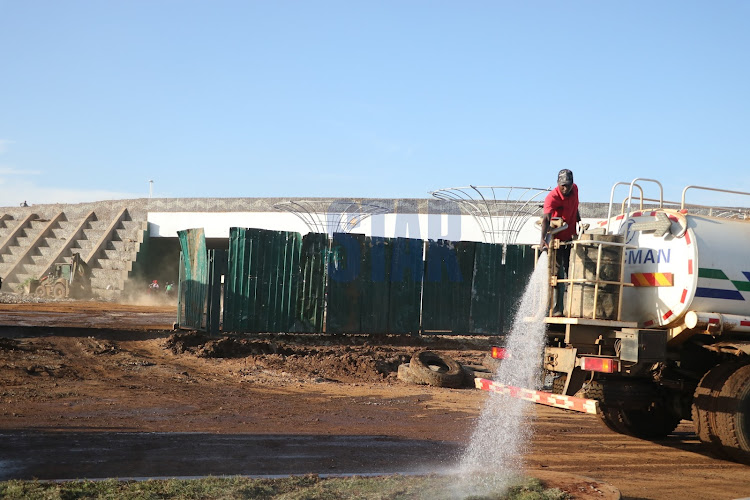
(194, 279)
(375, 289)
(519, 265)
(487, 290)
(262, 282)
(405, 294)
(446, 302)
(374, 285)
(311, 290)
(344, 283)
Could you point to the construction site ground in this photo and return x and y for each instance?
(96, 389)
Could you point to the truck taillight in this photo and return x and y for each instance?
(605, 365)
(499, 352)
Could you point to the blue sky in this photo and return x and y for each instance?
(368, 98)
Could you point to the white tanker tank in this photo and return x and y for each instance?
(686, 271)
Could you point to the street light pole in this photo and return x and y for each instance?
(150, 189)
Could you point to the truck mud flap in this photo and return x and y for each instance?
(572, 403)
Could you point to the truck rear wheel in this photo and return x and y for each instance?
(558, 384)
(733, 415)
(59, 291)
(613, 419)
(656, 422)
(653, 419)
(705, 401)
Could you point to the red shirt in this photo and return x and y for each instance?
(558, 205)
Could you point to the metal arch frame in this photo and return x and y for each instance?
(319, 220)
(483, 205)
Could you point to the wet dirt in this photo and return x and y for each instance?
(112, 390)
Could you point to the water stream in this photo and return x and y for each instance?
(495, 456)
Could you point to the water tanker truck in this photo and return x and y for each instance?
(656, 327)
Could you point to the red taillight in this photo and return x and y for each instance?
(499, 352)
(604, 365)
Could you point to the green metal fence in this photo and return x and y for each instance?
(193, 286)
(499, 278)
(374, 284)
(311, 285)
(449, 269)
(262, 280)
(277, 281)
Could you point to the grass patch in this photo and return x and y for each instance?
(290, 488)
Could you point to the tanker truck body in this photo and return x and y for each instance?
(656, 326)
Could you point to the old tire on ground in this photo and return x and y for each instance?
(405, 374)
(733, 415)
(59, 291)
(434, 369)
(40, 291)
(705, 400)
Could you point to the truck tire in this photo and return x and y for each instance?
(613, 419)
(431, 368)
(652, 419)
(705, 400)
(558, 384)
(40, 291)
(733, 415)
(655, 422)
(59, 291)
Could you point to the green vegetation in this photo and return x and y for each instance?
(289, 488)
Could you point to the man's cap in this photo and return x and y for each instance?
(565, 176)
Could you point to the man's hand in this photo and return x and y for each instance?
(543, 246)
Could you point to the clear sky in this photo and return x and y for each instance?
(387, 98)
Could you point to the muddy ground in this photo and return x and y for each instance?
(94, 389)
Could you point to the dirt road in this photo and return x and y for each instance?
(92, 389)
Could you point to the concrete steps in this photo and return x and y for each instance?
(33, 239)
(37, 260)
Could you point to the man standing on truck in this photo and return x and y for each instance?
(561, 202)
